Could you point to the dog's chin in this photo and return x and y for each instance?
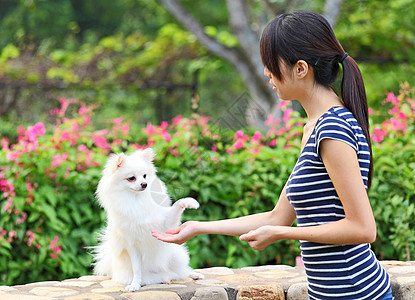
(139, 190)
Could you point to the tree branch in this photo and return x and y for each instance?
(181, 15)
(239, 20)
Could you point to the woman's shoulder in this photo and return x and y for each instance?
(337, 123)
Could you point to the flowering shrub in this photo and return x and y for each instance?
(49, 175)
(393, 188)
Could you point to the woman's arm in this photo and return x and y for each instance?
(282, 215)
(357, 227)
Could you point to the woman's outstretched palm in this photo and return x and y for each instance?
(177, 235)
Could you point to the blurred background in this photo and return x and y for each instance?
(80, 79)
(146, 59)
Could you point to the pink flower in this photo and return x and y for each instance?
(394, 110)
(269, 120)
(22, 219)
(239, 135)
(214, 148)
(125, 129)
(82, 110)
(87, 120)
(166, 136)
(83, 148)
(117, 121)
(150, 142)
(238, 145)
(398, 124)
(12, 236)
(392, 99)
(281, 131)
(5, 143)
(65, 136)
(257, 135)
(164, 124)
(34, 131)
(150, 130)
(402, 115)
(371, 111)
(101, 142)
(299, 262)
(254, 150)
(58, 159)
(378, 135)
(174, 152)
(30, 237)
(287, 114)
(176, 120)
(273, 143)
(54, 247)
(282, 104)
(29, 187)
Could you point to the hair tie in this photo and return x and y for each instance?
(343, 57)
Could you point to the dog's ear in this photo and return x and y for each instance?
(120, 160)
(148, 154)
(114, 162)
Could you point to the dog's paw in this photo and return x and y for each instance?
(187, 203)
(195, 276)
(132, 287)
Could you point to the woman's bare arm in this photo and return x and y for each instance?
(357, 227)
(283, 214)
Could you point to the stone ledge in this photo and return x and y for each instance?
(277, 282)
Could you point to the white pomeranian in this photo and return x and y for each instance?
(136, 202)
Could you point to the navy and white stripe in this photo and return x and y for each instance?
(333, 271)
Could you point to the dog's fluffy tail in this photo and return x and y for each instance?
(102, 257)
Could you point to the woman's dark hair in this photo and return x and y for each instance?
(305, 35)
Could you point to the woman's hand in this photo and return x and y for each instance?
(262, 237)
(177, 235)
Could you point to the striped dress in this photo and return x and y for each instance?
(333, 271)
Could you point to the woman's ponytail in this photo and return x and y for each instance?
(354, 98)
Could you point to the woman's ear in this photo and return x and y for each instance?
(301, 69)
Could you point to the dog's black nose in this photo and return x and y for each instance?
(143, 185)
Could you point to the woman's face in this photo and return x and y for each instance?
(286, 87)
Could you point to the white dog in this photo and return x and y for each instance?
(136, 202)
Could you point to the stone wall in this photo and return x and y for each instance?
(277, 282)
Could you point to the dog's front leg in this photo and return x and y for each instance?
(136, 264)
(174, 214)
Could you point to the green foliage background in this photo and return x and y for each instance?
(130, 58)
(231, 174)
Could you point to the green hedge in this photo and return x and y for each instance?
(49, 175)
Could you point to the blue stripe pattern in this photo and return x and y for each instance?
(333, 271)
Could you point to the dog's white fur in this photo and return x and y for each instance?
(127, 252)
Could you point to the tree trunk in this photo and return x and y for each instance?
(245, 59)
(332, 10)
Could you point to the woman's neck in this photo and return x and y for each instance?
(317, 101)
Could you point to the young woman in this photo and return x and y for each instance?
(327, 190)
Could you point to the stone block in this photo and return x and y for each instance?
(403, 288)
(297, 291)
(210, 293)
(151, 295)
(263, 291)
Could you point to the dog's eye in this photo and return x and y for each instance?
(144, 176)
(131, 179)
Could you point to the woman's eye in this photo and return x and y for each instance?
(145, 175)
(131, 179)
